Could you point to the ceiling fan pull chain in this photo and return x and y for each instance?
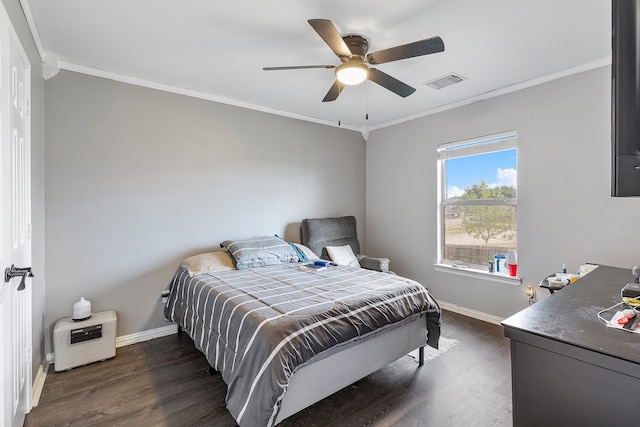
(339, 102)
(366, 88)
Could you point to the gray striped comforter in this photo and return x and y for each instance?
(257, 326)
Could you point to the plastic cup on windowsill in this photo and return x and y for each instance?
(513, 270)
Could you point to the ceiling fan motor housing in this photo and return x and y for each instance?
(357, 44)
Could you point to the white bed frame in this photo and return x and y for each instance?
(321, 378)
(315, 381)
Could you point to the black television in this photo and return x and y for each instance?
(625, 103)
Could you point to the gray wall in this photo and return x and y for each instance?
(565, 213)
(138, 179)
(14, 10)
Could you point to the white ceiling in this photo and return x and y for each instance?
(216, 50)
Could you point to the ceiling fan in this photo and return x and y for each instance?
(352, 51)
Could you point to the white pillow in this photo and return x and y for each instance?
(209, 262)
(343, 255)
(308, 252)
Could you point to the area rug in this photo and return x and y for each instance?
(430, 353)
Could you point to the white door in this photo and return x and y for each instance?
(15, 229)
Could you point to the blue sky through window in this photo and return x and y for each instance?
(496, 168)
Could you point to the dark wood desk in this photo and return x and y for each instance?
(568, 368)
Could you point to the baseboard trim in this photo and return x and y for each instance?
(125, 340)
(146, 335)
(471, 313)
(38, 383)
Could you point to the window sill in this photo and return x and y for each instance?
(478, 274)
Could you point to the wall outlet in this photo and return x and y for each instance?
(531, 293)
(165, 296)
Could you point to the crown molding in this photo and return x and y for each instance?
(193, 93)
(603, 62)
(51, 65)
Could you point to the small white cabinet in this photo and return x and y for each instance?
(79, 343)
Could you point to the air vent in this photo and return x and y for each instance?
(444, 81)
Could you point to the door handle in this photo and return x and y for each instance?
(13, 271)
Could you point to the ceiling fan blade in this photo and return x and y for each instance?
(391, 83)
(410, 50)
(333, 93)
(331, 36)
(297, 67)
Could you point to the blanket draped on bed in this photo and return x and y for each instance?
(257, 326)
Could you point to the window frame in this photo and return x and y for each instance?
(502, 141)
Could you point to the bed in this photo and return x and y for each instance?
(284, 337)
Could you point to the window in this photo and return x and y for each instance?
(478, 211)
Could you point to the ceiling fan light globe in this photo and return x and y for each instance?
(352, 73)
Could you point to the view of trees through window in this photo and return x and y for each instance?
(489, 222)
(479, 209)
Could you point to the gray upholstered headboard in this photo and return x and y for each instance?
(317, 233)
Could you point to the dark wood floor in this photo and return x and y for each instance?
(165, 382)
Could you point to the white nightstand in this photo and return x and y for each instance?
(87, 341)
